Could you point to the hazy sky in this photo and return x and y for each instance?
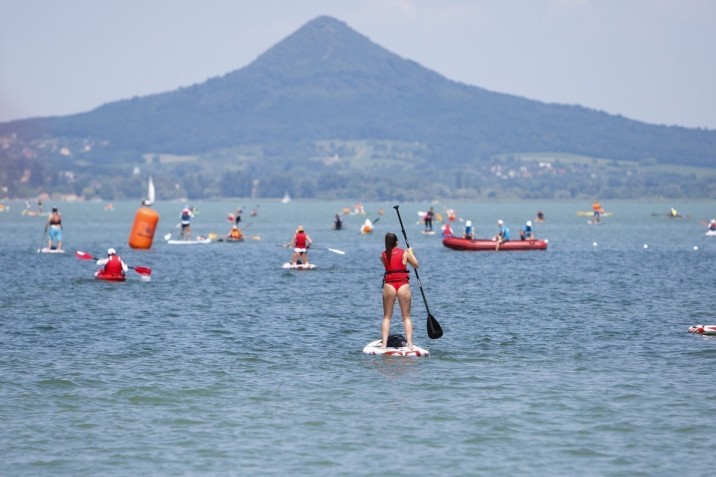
(650, 60)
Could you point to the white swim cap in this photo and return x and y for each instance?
(111, 251)
(468, 223)
(500, 222)
(529, 223)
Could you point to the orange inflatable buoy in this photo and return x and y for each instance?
(145, 224)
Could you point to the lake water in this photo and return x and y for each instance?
(573, 361)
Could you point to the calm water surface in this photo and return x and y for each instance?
(573, 361)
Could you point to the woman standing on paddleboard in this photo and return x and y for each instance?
(300, 243)
(54, 223)
(396, 285)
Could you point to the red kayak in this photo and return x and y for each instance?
(112, 277)
(487, 245)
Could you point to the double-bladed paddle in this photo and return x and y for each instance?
(334, 250)
(435, 331)
(86, 256)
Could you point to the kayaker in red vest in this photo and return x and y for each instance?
(447, 230)
(113, 265)
(301, 242)
(396, 285)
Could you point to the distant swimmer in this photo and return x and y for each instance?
(540, 216)
(337, 223)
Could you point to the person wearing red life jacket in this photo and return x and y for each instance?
(447, 230)
(300, 243)
(113, 265)
(396, 285)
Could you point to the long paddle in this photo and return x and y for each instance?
(86, 256)
(42, 241)
(169, 235)
(435, 331)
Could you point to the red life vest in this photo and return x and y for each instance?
(395, 270)
(300, 240)
(114, 266)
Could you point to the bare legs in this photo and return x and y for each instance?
(185, 233)
(403, 295)
(299, 255)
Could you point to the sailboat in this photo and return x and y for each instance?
(286, 198)
(150, 194)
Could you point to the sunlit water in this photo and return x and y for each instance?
(573, 361)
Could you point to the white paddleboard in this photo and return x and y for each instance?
(188, 242)
(300, 266)
(428, 232)
(709, 330)
(373, 348)
(50, 250)
(711, 233)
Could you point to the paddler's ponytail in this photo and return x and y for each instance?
(391, 240)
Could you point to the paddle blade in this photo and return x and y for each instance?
(339, 252)
(435, 331)
(143, 270)
(83, 255)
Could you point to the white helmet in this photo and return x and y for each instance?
(500, 222)
(469, 223)
(529, 223)
(111, 251)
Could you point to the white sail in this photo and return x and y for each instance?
(150, 193)
(286, 198)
